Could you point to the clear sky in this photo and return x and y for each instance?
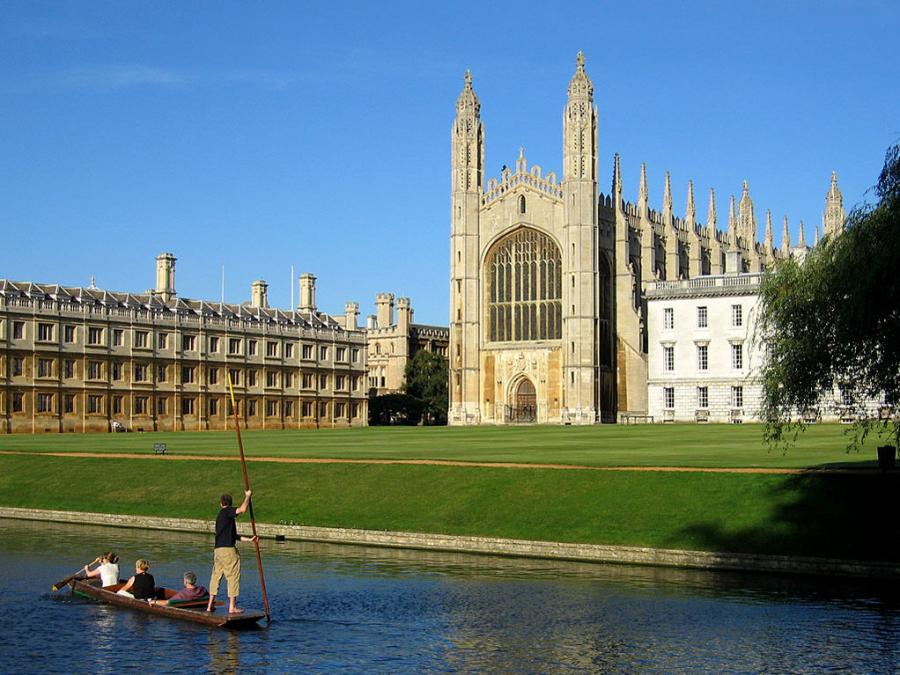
(263, 135)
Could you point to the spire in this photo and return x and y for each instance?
(711, 213)
(667, 200)
(580, 128)
(770, 235)
(732, 222)
(690, 211)
(468, 141)
(521, 162)
(785, 239)
(617, 177)
(816, 240)
(467, 104)
(580, 86)
(747, 219)
(801, 240)
(833, 218)
(643, 195)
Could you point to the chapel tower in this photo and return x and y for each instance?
(467, 176)
(581, 249)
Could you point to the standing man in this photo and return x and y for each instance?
(226, 559)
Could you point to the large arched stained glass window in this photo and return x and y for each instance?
(524, 288)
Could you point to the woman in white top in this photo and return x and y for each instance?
(108, 570)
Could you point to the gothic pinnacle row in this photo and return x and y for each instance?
(741, 221)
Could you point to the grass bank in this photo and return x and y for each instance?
(843, 516)
(613, 445)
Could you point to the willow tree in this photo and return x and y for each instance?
(833, 319)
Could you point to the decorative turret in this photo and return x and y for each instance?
(468, 140)
(816, 240)
(580, 127)
(801, 240)
(384, 308)
(667, 201)
(643, 195)
(746, 218)
(833, 218)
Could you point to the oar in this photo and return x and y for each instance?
(237, 428)
(64, 582)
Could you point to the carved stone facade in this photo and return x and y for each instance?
(548, 277)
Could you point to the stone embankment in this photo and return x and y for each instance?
(597, 553)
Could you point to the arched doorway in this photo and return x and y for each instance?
(524, 408)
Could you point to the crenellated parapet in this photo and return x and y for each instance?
(531, 178)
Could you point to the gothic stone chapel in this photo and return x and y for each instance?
(547, 276)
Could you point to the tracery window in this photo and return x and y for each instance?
(524, 286)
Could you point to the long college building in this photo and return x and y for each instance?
(86, 359)
(549, 278)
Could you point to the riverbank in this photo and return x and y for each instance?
(836, 516)
(485, 545)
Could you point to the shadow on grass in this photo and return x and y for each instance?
(854, 517)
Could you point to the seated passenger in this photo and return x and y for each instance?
(107, 570)
(191, 591)
(142, 586)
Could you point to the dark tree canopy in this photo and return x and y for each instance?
(834, 319)
(427, 376)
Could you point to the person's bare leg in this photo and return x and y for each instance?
(232, 606)
(211, 604)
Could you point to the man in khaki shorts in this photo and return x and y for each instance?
(226, 559)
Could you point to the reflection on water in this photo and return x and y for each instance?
(346, 608)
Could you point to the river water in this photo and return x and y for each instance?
(354, 609)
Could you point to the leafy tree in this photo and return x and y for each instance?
(427, 375)
(834, 318)
(389, 409)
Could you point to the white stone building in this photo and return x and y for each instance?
(704, 357)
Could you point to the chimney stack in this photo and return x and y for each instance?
(259, 294)
(307, 293)
(351, 316)
(165, 276)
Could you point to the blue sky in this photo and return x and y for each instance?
(261, 135)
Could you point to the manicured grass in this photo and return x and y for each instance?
(849, 516)
(643, 445)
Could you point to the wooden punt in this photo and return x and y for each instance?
(190, 611)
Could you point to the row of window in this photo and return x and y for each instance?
(141, 340)
(702, 400)
(95, 405)
(737, 357)
(141, 373)
(737, 317)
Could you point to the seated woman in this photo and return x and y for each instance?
(191, 591)
(108, 570)
(142, 586)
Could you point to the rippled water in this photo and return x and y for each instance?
(352, 609)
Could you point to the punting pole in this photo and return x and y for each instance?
(237, 428)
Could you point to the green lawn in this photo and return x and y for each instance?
(613, 445)
(849, 516)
